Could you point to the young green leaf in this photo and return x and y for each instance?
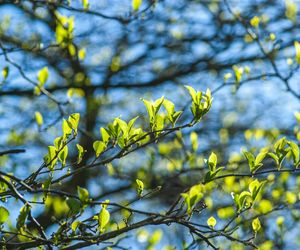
(297, 48)
(295, 152)
(211, 222)
(51, 157)
(194, 141)
(81, 152)
(4, 214)
(212, 162)
(74, 206)
(5, 72)
(43, 76)
(256, 225)
(140, 187)
(83, 195)
(24, 211)
(85, 4)
(62, 155)
(105, 135)
(75, 225)
(74, 121)
(193, 93)
(103, 219)
(66, 128)
(99, 147)
(136, 4)
(39, 118)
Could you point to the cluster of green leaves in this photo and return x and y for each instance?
(193, 196)
(201, 103)
(283, 149)
(59, 151)
(212, 165)
(245, 199)
(255, 162)
(42, 78)
(64, 30)
(124, 134)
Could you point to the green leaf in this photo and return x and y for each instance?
(193, 196)
(74, 206)
(157, 104)
(63, 154)
(51, 157)
(39, 118)
(58, 142)
(275, 157)
(75, 225)
(211, 222)
(99, 147)
(245, 200)
(123, 125)
(136, 4)
(5, 72)
(259, 158)
(256, 225)
(212, 162)
(4, 214)
(81, 152)
(155, 237)
(297, 49)
(85, 4)
(193, 93)
(103, 219)
(24, 211)
(194, 141)
(42, 76)
(105, 135)
(176, 116)
(295, 152)
(279, 145)
(66, 128)
(150, 109)
(255, 187)
(74, 121)
(140, 187)
(238, 72)
(169, 106)
(83, 195)
(251, 159)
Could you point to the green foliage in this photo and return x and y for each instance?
(256, 225)
(193, 196)
(4, 215)
(212, 165)
(81, 152)
(158, 167)
(24, 211)
(201, 103)
(211, 222)
(74, 206)
(103, 218)
(99, 147)
(140, 187)
(136, 4)
(245, 199)
(85, 4)
(5, 72)
(83, 195)
(155, 120)
(255, 162)
(39, 118)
